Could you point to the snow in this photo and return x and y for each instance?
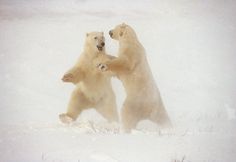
(190, 47)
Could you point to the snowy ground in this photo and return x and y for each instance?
(191, 50)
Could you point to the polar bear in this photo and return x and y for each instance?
(93, 88)
(143, 100)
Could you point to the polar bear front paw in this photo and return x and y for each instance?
(68, 77)
(65, 119)
(102, 67)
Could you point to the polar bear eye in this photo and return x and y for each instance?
(95, 37)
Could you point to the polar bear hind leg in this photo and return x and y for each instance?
(78, 102)
(107, 108)
(131, 115)
(160, 117)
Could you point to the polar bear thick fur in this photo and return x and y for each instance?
(93, 88)
(143, 100)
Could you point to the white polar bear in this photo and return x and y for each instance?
(143, 99)
(93, 88)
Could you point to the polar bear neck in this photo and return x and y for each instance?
(127, 42)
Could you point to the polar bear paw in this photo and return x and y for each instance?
(102, 67)
(68, 77)
(65, 119)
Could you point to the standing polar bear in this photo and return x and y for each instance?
(93, 88)
(143, 100)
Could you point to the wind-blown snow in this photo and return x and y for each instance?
(190, 47)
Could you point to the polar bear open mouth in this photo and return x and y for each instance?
(100, 48)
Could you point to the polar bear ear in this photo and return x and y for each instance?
(123, 25)
(87, 34)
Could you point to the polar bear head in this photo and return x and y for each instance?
(95, 41)
(122, 31)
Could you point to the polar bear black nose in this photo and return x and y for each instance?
(110, 33)
(103, 44)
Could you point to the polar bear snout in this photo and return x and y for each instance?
(100, 46)
(110, 33)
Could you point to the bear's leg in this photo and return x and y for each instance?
(78, 102)
(160, 117)
(129, 116)
(107, 108)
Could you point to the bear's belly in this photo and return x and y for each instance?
(94, 92)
